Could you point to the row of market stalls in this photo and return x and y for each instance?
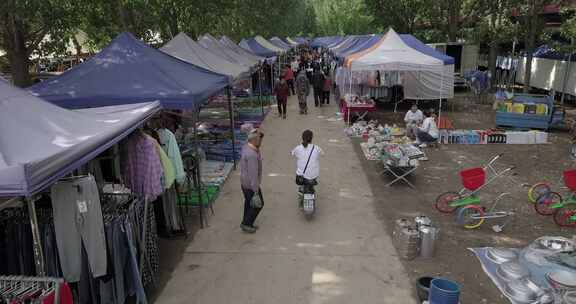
(97, 162)
(373, 67)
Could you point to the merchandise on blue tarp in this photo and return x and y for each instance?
(527, 275)
(41, 142)
(129, 71)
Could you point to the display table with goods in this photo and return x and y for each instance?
(524, 111)
(482, 137)
(401, 160)
(543, 272)
(356, 105)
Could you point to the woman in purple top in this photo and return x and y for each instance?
(250, 179)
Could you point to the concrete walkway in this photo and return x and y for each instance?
(343, 255)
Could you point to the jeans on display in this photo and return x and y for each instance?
(250, 213)
(78, 221)
(134, 268)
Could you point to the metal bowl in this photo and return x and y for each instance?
(570, 297)
(501, 255)
(520, 292)
(555, 244)
(562, 278)
(511, 271)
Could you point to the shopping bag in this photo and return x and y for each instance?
(256, 201)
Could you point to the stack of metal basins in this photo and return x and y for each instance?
(406, 239)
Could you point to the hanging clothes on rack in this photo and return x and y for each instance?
(22, 289)
(142, 168)
(78, 222)
(170, 146)
(171, 220)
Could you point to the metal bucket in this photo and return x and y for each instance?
(428, 236)
(408, 243)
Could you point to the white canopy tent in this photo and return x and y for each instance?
(426, 73)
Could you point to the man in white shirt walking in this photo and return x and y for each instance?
(413, 119)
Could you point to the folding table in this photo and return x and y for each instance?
(360, 109)
(401, 160)
(399, 173)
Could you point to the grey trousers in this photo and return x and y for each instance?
(78, 220)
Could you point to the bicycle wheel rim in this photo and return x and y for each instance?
(443, 202)
(563, 215)
(536, 190)
(465, 217)
(543, 203)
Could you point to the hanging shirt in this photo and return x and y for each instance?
(142, 169)
(301, 153)
(170, 146)
(167, 166)
(429, 126)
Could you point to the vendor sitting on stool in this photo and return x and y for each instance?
(413, 119)
(428, 132)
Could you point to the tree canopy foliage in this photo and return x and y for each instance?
(491, 23)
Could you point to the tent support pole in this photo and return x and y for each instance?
(440, 101)
(231, 112)
(38, 252)
(197, 173)
(566, 73)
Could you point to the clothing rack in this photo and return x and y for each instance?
(14, 287)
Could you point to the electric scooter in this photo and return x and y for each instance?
(307, 198)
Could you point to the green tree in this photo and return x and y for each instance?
(339, 17)
(402, 15)
(25, 24)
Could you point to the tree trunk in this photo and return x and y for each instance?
(453, 19)
(18, 54)
(492, 56)
(530, 43)
(19, 63)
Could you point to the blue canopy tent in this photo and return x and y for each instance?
(129, 71)
(418, 45)
(253, 46)
(279, 43)
(300, 40)
(335, 41)
(290, 42)
(324, 41)
(355, 46)
(360, 45)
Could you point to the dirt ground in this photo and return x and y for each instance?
(453, 260)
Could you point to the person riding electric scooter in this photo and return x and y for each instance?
(307, 171)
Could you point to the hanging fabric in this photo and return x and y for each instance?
(78, 222)
(170, 146)
(142, 168)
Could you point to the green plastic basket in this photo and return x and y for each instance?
(209, 195)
